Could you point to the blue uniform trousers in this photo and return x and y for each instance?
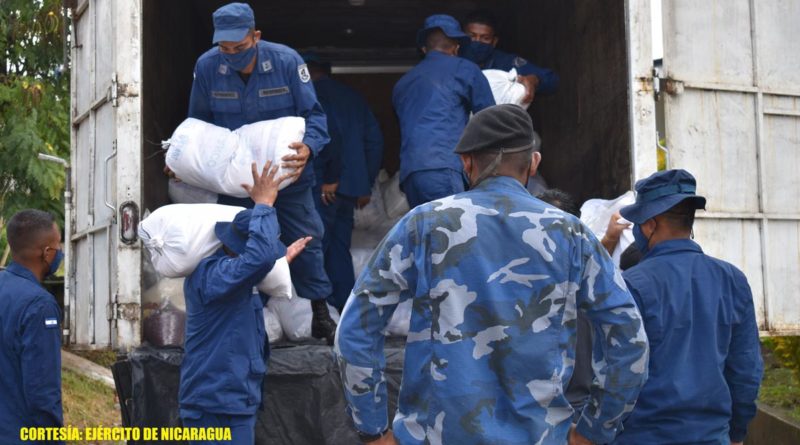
(338, 220)
(428, 185)
(242, 427)
(298, 217)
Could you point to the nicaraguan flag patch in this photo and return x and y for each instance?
(51, 322)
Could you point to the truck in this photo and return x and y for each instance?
(725, 103)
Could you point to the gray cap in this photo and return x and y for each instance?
(507, 128)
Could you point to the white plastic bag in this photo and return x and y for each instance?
(505, 87)
(401, 320)
(278, 282)
(596, 213)
(179, 236)
(183, 193)
(373, 213)
(218, 160)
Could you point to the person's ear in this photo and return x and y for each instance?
(455, 51)
(466, 162)
(424, 50)
(649, 227)
(536, 159)
(257, 35)
(495, 39)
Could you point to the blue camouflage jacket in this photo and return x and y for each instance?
(496, 278)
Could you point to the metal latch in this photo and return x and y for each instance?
(114, 90)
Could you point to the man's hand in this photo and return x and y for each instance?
(576, 438)
(387, 439)
(531, 83)
(363, 201)
(265, 186)
(297, 161)
(296, 248)
(613, 233)
(329, 193)
(170, 174)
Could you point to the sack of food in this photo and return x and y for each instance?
(219, 160)
(506, 89)
(182, 193)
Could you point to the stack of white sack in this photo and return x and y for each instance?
(596, 214)
(506, 89)
(219, 160)
(387, 205)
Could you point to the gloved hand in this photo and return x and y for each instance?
(322, 325)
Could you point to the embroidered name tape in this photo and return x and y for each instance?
(267, 92)
(225, 94)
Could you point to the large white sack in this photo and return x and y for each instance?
(179, 236)
(394, 200)
(295, 316)
(272, 324)
(219, 160)
(183, 193)
(596, 213)
(505, 87)
(200, 153)
(401, 320)
(261, 142)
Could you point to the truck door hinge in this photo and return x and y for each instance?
(114, 90)
(123, 311)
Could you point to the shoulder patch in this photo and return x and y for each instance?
(51, 322)
(302, 71)
(519, 61)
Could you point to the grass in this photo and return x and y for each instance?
(779, 388)
(101, 357)
(88, 403)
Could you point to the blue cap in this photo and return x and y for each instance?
(232, 22)
(449, 26)
(234, 234)
(660, 192)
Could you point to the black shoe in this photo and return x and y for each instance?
(322, 325)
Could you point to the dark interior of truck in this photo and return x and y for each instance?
(584, 125)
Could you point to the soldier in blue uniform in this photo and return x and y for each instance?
(433, 102)
(226, 346)
(698, 312)
(481, 27)
(30, 334)
(496, 278)
(344, 172)
(245, 80)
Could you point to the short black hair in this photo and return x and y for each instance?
(519, 161)
(562, 200)
(483, 17)
(681, 216)
(27, 227)
(437, 39)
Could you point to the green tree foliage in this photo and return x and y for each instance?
(34, 106)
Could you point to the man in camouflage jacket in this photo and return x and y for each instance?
(496, 277)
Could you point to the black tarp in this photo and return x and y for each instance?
(303, 399)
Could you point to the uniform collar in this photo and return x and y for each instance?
(435, 53)
(673, 246)
(501, 183)
(22, 272)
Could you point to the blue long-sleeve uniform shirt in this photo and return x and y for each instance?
(501, 60)
(279, 86)
(496, 278)
(30, 355)
(705, 361)
(226, 343)
(433, 102)
(356, 141)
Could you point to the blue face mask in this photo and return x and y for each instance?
(477, 52)
(641, 241)
(240, 60)
(56, 263)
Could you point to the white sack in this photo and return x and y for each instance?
(394, 200)
(505, 87)
(183, 193)
(295, 316)
(272, 324)
(165, 290)
(217, 159)
(596, 213)
(401, 320)
(373, 213)
(278, 282)
(179, 236)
